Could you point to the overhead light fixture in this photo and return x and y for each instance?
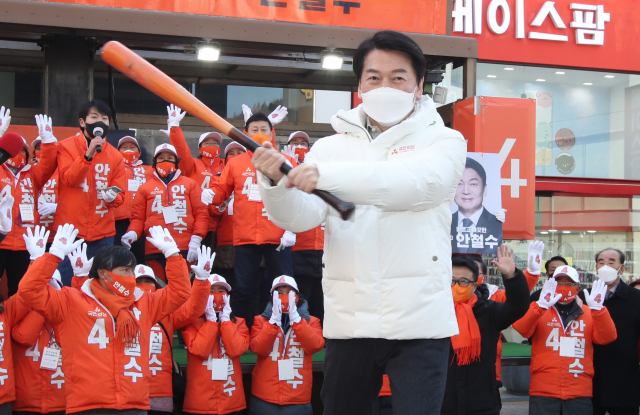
(559, 73)
(566, 231)
(509, 69)
(491, 76)
(208, 51)
(587, 83)
(540, 80)
(332, 59)
(544, 233)
(553, 230)
(609, 76)
(591, 231)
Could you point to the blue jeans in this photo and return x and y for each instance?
(64, 267)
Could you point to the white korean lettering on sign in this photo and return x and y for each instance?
(155, 349)
(48, 195)
(133, 369)
(101, 178)
(180, 203)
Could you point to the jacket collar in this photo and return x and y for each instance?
(175, 176)
(621, 291)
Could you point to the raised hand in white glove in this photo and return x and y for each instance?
(194, 245)
(536, 248)
(175, 116)
(288, 239)
(276, 310)
(500, 215)
(79, 262)
(5, 120)
(128, 239)
(6, 218)
(108, 195)
(161, 238)
(278, 115)
(209, 311)
(36, 242)
(205, 261)
(226, 310)
(45, 129)
(246, 113)
(46, 208)
(64, 242)
(595, 298)
(548, 296)
(294, 316)
(207, 196)
(289, 151)
(166, 132)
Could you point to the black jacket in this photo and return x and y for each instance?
(472, 389)
(487, 221)
(616, 381)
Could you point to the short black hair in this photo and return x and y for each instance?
(389, 40)
(103, 109)
(482, 267)
(622, 257)
(475, 165)
(555, 258)
(110, 257)
(257, 117)
(470, 264)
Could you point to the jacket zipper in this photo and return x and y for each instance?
(356, 125)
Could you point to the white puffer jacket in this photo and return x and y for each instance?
(388, 269)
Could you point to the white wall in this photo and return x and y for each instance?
(327, 104)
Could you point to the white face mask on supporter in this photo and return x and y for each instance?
(388, 106)
(608, 274)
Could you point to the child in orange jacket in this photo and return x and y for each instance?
(284, 337)
(215, 343)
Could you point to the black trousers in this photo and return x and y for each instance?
(543, 405)
(307, 271)
(137, 248)
(353, 370)
(601, 410)
(15, 263)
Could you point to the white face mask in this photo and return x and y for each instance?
(608, 274)
(388, 106)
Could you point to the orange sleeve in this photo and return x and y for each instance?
(263, 335)
(200, 341)
(72, 171)
(78, 282)
(176, 293)
(526, 326)
(604, 330)
(42, 171)
(200, 212)
(195, 305)
(532, 280)
(309, 334)
(223, 187)
(235, 337)
(27, 331)
(138, 212)
(35, 290)
(15, 308)
(119, 179)
(187, 163)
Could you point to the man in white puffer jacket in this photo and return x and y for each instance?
(387, 270)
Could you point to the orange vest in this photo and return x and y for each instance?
(99, 372)
(302, 342)
(139, 172)
(14, 310)
(50, 194)
(311, 240)
(207, 340)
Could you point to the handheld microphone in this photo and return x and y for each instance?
(10, 146)
(97, 132)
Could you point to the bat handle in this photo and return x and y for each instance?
(345, 209)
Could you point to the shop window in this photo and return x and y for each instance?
(21, 89)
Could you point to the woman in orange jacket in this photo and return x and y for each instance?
(284, 337)
(215, 343)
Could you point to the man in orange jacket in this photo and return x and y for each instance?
(563, 330)
(47, 196)
(86, 176)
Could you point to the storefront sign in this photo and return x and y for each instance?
(505, 126)
(632, 133)
(598, 34)
(424, 16)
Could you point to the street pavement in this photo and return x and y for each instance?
(513, 404)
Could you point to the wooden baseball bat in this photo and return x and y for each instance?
(135, 67)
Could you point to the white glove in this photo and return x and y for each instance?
(289, 151)
(500, 215)
(194, 245)
(6, 218)
(276, 310)
(226, 310)
(162, 239)
(205, 262)
(79, 262)
(209, 312)
(166, 132)
(36, 242)
(536, 248)
(5, 120)
(128, 239)
(108, 195)
(64, 242)
(246, 112)
(595, 298)
(278, 115)
(45, 129)
(288, 239)
(294, 316)
(47, 209)
(207, 196)
(548, 296)
(175, 116)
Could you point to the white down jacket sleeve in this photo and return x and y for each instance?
(417, 183)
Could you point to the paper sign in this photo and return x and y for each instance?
(50, 358)
(285, 369)
(170, 214)
(254, 193)
(219, 369)
(568, 346)
(133, 185)
(26, 212)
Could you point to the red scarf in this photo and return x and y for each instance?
(466, 345)
(127, 327)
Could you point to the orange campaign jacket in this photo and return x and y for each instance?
(141, 174)
(37, 390)
(251, 224)
(25, 186)
(224, 233)
(80, 181)
(49, 193)
(14, 310)
(196, 169)
(311, 240)
(558, 376)
(160, 360)
(184, 194)
(207, 340)
(267, 342)
(100, 373)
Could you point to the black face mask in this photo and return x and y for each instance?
(90, 127)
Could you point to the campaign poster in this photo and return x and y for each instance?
(477, 216)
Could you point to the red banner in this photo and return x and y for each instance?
(30, 132)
